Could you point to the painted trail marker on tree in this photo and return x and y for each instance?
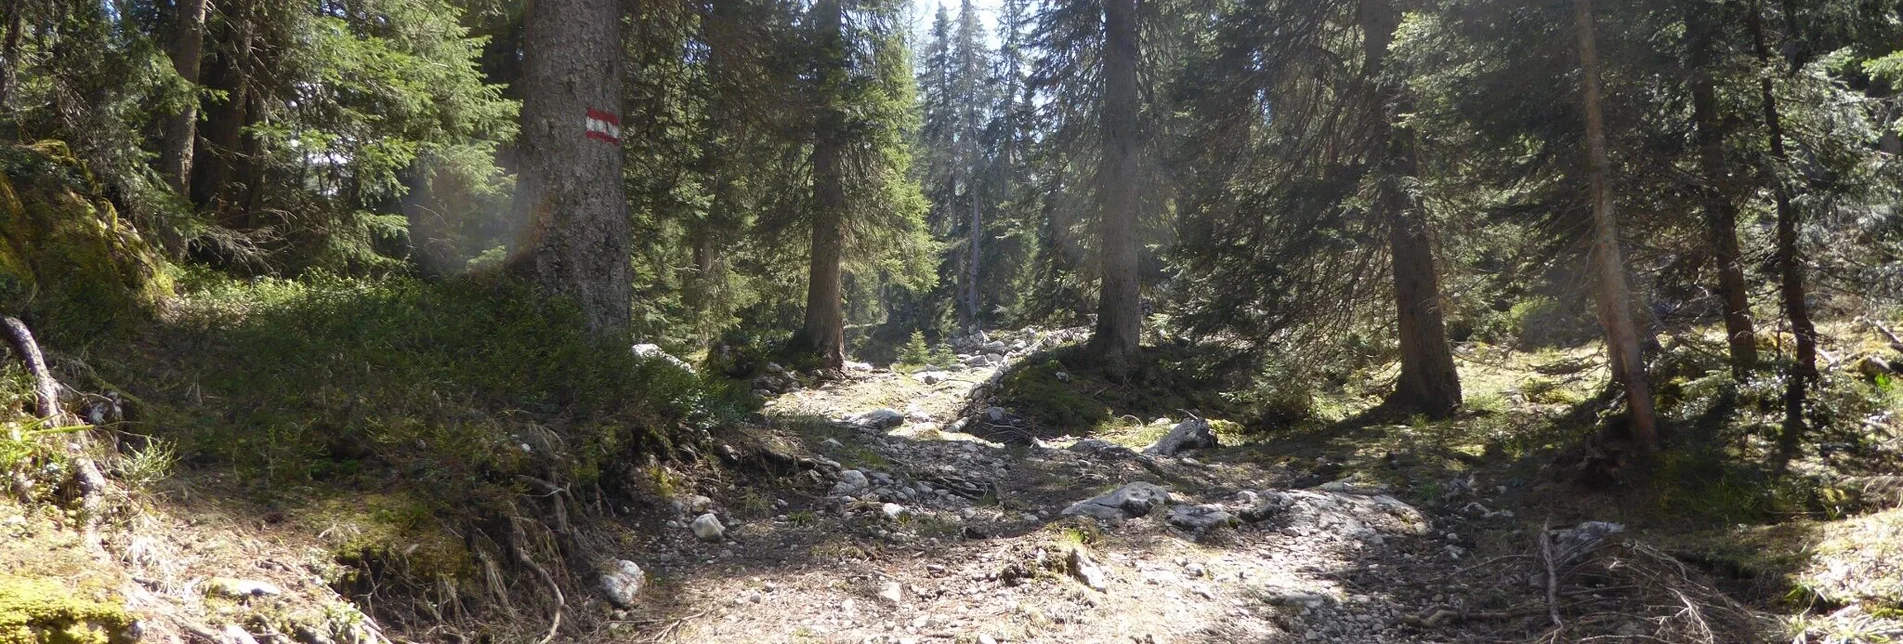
(603, 126)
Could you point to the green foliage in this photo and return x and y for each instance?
(67, 262)
(450, 384)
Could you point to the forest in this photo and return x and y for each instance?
(910, 321)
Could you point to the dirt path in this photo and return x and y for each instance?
(922, 534)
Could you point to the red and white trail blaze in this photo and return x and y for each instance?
(603, 126)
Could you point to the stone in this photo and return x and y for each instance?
(1086, 570)
(1199, 518)
(1132, 500)
(241, 588)
(1063, 376)
(655, 352)
(879, 419)
(832, 443)
(1194, 433)
(233, 634)
(995, 346)
(996, 414)
(851, 481)
(892, 592)
(700, 504)
(708, 528)
(621, 582)
(892, 511)
(1873, 367)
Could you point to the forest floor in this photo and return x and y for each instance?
(938, 513)
(1356, 531)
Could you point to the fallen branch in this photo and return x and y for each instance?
(1552, 573)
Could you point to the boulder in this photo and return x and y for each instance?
(879, 419)
(621, 581)
(1194, 433)
(708, 528)
(1199, 518)
(1132, 500)
(850, 482)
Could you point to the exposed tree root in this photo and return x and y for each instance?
(45, 388)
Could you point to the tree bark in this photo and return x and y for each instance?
(569, 190)
(1119, 306)
(1787, 257)
(1613, 295)
(215, 154)
(1721, 214)
(824, 331)
(10, 20)
(181, 129)
(1429, 381)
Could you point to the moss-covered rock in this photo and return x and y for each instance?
(45, 611)
(65, 256)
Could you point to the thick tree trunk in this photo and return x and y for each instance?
(1787, 257)
(181, 129)
(214, 158)
(1119, 307)
(824, 333)
(1614, 297)
(1429, 381)
(569, 191)
(1721, 214)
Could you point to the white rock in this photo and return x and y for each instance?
(892, 592)
(654, 352)
(1194, 433)
(1087, 571)
(893, 511)
(621, 581)
(708, 528)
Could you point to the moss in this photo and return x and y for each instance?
(1037, 393)
(45, 611)
(64, 254)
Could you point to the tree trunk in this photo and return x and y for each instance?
(824, 333)
(1429, 381)
(1786, 257)
(1614, 297)
(1721, 214)
(10, 20)
(977, 223)
(215, 155)
(1119, 307)
(181, 129)
(576, 243)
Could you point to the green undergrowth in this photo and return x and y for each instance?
(445, 384)
(408, 423)
(1061, 394)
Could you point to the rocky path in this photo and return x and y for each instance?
(914, 531)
